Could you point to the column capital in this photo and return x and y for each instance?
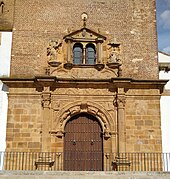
(46, 100)
(121, 101)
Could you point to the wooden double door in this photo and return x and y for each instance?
(83, 144)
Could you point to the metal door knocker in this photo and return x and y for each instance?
(92, 142)
(74, 142)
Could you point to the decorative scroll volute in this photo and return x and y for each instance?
(121, 101)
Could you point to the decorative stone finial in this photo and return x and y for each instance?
(113, 42)
(84, 18)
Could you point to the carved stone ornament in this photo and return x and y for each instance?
(114, 60)
(46, 100)
(94, 109)
(107, 134)
(68, 66)
(115, 102)
(99, 66)
(121, 101)
(88, 73)
(52, 52)
(57, 133)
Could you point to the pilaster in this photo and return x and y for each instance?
(121, 125)
(46, 103)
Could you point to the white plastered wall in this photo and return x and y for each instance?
(5, 56)
(165, 105)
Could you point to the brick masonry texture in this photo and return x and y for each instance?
(131, 22)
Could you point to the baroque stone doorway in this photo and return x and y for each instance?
(83, 144)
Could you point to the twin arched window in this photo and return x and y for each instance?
(85, 55)
(78, 53)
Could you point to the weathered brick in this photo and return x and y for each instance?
(149, 123)
(25, 118)
(138, 122)
(17, 111)
(10, 125)
(34, 145)
(22, 145)
(26, 134)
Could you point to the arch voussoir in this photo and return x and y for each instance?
(91, 108)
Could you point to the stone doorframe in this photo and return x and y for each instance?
(105, 119)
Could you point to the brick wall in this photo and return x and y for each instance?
(132, 23)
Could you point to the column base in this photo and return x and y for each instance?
(44, 161)
(121, 164)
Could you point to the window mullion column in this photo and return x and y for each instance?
(99, 51)
(84, 55)
(69, 60)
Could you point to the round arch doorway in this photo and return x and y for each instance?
(83, 144)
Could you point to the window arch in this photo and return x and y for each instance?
(78, 53)
(90, 54)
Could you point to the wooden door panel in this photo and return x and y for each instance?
(83, 144)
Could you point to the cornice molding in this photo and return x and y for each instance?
(53, 82)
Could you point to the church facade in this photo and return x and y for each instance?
(84, 78)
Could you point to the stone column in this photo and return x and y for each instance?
(68, 40)
(121, 162)
(121, 121)
(46, 102)
(99, 50)
(84, 55)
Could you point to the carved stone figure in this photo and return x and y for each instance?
(115, 56)
(53, 50)
(112, 58)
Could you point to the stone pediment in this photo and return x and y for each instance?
(85, 34)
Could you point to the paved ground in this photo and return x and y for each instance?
(82, 175)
